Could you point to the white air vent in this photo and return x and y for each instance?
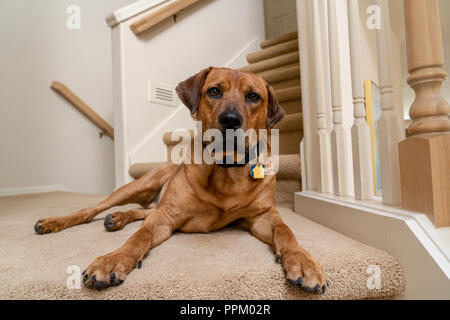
(162, 93)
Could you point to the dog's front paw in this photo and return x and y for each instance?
(109, 270)
(49, 225)
(304, 271)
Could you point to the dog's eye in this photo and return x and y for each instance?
(214, 92)
(253, 97)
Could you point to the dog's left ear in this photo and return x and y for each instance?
(190, 90)
(276, 112)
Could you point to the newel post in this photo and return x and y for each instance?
(425, 156)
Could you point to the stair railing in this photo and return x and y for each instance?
(415, 172)
(87, 111)
(425, 155)
(362, 160)
(159, 15)
(390, 125)
(338, 134)
(322, 138)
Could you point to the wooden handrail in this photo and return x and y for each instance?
(159, 15)
(87, 111)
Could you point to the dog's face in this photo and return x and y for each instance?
(228, 99)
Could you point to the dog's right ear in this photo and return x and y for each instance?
(190, 90)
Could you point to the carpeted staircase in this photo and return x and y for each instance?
(278, 63)
(228, 264)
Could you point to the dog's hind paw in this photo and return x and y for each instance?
(116, 221)
(49, 225)
(109, 223)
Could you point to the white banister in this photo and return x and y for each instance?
(326, 175)
(338, 134)
(361, 146)
(390, 126)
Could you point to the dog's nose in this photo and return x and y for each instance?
(230, 120)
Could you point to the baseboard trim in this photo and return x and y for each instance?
(33, 189)
(398, 232)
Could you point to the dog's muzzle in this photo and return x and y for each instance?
(230, 120)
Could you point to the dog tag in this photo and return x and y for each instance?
(257, 171)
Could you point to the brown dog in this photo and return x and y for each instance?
(201, 197)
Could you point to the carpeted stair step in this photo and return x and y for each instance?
(274, 51)
(281, 74)
(285, 190)
(289, 94)
(289, 168)
(288, 177)
(226, 264)
(272, 63)
(291, 133)
(290, 142)
(286, 84)
(283, 38)
(293, 106)
(291, 122)
(137, 170)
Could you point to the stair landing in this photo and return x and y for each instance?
(228, 264)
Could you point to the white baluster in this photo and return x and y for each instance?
(361, 147)
(338, 134)
(325, 183)
(390, 126)
(303, 165)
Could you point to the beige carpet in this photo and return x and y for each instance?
(229, 264)
(273, 51)
(272, 63)
(280, 39)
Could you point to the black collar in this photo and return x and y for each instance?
(248, 157)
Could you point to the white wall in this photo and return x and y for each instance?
(44, 141)
(210, 33)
